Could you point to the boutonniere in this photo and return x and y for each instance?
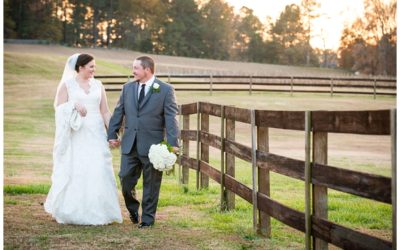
(156, 87)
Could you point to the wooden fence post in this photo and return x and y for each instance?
(251, 84)
(198, 148)
(223, 190)
(393, 127)
(307, 180)
(180, 122)
(211, 84)
(254, 168)
(263, 181)
(291, 86)
(320, 193)
(375, 88)
(230, 163)
(331, 87)
(185, 144)
(204, 179)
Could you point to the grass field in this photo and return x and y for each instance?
(186, 218)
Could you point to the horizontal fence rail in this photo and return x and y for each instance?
(292, 84)
(369, 186)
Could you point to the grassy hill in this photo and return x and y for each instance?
(186, 219)
(172, 64)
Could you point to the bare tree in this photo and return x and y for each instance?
(309, 8)
(380, 23)
(371, 39)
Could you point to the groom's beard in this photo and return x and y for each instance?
(139, 79)
(142, 79)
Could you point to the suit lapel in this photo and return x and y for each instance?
(135, 93)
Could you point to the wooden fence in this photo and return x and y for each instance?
(313, 170)
(332, 85)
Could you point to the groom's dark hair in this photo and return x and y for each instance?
(146, 62)
(82, 60)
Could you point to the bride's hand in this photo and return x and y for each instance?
(114, 143)
(81, 109)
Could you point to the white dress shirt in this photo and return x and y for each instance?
(148, 85)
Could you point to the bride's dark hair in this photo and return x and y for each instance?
(83, 59)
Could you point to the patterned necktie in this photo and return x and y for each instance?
(141, 95)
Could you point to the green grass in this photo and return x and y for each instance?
(345, 209)
(32, 65)
(104, 67)
(26, 189)
(10, 202)
(29, 87)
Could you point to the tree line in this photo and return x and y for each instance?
(208, 29)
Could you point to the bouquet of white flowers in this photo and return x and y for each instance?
(162, 157)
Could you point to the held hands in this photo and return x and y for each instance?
(81, 109)
(114, 143)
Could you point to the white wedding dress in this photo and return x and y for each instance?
(84, 190)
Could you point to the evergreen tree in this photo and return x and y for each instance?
(248, 37)
(309, 8)
(218, 29)
(182, 35)
(9, 23)
(35, 19)
(288, 34)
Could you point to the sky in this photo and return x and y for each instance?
(334, 15)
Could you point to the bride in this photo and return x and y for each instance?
(83, 190)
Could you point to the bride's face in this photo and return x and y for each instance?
(88, 70)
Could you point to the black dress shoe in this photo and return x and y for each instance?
(145, 225)
(134, 218)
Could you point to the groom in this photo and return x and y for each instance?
(149, 108)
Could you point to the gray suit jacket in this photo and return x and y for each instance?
(154, 121)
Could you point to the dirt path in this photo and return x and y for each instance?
(28, 226)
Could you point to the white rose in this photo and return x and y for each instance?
(156, 85)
